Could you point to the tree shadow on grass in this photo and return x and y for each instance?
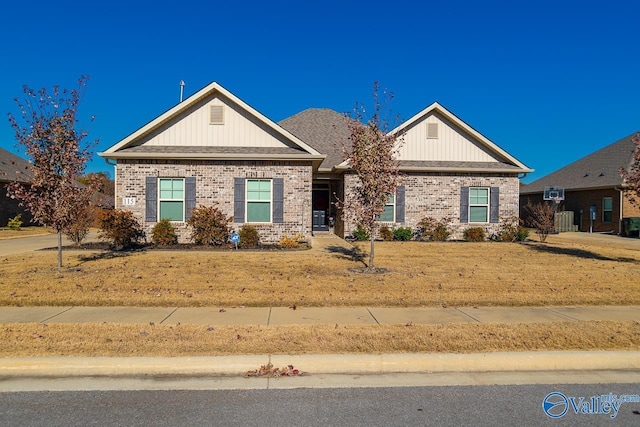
(352, 254)
(110, 254)
(579, 253)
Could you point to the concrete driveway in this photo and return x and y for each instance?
(29, 244)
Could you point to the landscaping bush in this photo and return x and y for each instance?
(474, 234)
(286, 242)
(249, 237)
(15, 223)
(361, 234)
(434, 231)
(402, 233)
(120, 227)
(386, 233)
(511, 230)
(209, 226)
(164, 234)
(84, 218)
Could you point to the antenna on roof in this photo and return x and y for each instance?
(182, 85)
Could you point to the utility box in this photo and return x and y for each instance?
(630, 227)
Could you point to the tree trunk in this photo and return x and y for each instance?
(371, 252)
(59, 249)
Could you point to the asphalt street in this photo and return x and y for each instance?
(408, 406)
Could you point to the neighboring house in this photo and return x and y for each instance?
(284, 178)
(592, 181)
(12, 169)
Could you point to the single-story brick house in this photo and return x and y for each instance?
(592, 181)
(283, 178)
(12, 169)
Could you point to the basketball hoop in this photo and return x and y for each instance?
(557, 199)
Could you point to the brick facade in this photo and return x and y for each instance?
(9, 208)
(215, 184)
(437, 195)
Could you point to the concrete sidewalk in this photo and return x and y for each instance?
(278, 316)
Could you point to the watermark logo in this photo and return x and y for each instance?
(557, 404)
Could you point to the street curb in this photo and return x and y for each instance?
(365, 364)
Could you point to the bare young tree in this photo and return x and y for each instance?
(46, 128)
(541, 216)
(631, 176)
(371, 153)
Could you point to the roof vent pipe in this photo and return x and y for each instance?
(182, 85)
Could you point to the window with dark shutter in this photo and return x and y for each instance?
(189, 196)
(494, 205)
(464, 204)
(278, 200)
(400, 204)
(238, 200)
(151, 199)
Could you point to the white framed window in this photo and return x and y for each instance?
(478, 204)
(171, 199)
(607, 209)
(258, 200)
(389, 214)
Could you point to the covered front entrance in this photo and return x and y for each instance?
(321, 207)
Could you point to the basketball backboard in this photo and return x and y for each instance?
(553, 193)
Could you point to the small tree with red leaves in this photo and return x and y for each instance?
(371, 153)
(46, 128)
(631, 176)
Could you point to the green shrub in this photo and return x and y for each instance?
(209, 226)
(120, 227)
(402, 233)
(474, 234)
(164, 234)
(249, 237)
(361, 234)
(386, 233)
(15, 223)
(434, 231)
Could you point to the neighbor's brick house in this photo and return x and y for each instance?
(593, 180)
(12, 169)
(284, 178)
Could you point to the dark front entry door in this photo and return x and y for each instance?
(320, 221)
(320, 210)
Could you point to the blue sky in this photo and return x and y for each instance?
(548, 81)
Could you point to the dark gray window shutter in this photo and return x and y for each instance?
(494, 205)
(238, 200)
(278, 200)
(189, 196)
(400, 204)
(464, 204)
(151, 199)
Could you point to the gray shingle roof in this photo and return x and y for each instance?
(321, 128)
(479, 166)
(600, 169)
(13, 168)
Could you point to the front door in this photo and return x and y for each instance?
(320, 210)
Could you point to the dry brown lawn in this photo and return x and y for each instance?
(188, 340)
(565, 271)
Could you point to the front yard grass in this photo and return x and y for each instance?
(7, 233)
(21, 340)
(560, 272)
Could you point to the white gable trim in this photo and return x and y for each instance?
(471, 131)
(194, 99)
